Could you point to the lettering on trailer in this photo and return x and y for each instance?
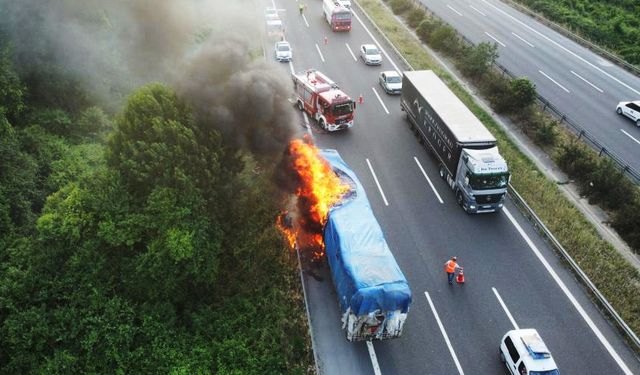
(431, 123)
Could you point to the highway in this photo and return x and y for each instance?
(513, 277)
(578, 82)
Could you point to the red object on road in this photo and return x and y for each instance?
(460, 277)
(360, 99)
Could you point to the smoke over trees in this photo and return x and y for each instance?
(136, 225)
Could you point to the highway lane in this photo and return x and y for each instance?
(423, 233)
(579, 82)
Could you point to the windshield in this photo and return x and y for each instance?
(488, 181)
(342, 109)
(342, 16)
(394, 79)
(550, 372)
(283, 48)
(372, 51)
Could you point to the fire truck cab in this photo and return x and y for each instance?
(323, 100)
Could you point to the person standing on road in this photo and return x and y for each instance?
(450, 268)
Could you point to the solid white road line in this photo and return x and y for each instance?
(553, 80)
(380, 100)
(444, 333)
(375, 178)
(374, 358)
(291, 67)
(351, 52)
(630, 136)
(506, 310)
(563, 48)
(305, 20)
(428, 180)
(570, 296)
(589, 83)
(376, 42)
(494, 38)
(319, 53)
(522, 39)
(450, 7)
(477, 10)
(306, 125)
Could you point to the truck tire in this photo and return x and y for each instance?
(459, 198)
(323, 124)
(300, 106)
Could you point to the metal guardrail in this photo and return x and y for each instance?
(539, 225)
(582, 134)
(577, 38)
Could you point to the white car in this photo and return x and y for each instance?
(524, 353)
(270, 14)
(283, 51)
(631, 110)
(391, 82)
(275, 30)
(370, 54)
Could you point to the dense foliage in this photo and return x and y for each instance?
(153, 252)
(612, 24)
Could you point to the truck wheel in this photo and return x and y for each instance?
(300, 106)
(619, 110)
(442, 172)
(459, 198)
(323, 124)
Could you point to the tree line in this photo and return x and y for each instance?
(136, 241)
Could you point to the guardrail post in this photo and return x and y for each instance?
(601, 151)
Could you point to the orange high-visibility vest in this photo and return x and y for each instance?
(450, 266)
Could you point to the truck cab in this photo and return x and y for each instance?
(482, 180)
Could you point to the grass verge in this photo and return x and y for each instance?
(614, 277)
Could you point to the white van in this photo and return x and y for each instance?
(524, 353)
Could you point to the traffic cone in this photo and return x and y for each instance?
(326, 40)
(360, 99)
(460, 277)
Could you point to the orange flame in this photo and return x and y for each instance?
(318, 189)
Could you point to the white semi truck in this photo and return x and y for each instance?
(467, 152)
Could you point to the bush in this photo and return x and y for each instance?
(546, 133)
(401, 6)
(523, 93)
(415, 17)
(445, 39)
(426, 28)
(574, 158)
(477, 60)
(626, 221)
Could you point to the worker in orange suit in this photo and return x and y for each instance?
(450, 268)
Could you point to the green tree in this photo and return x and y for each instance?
(478, 59)
(522, 94)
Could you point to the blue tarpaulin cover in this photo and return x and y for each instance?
(365, 273)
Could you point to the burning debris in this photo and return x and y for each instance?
(316, 188)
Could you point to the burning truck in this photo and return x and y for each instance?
(373, 294)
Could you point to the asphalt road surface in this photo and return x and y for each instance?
(578, 82)
(450, 329)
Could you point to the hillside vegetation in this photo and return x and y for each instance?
(613, 24)
(135, 243)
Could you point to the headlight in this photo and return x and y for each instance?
(500, 205)
(472, 207)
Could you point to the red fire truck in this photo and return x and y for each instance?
(323, 100)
